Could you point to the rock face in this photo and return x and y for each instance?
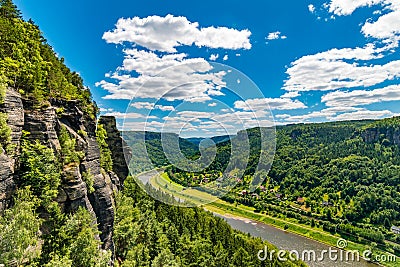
(121, 152)
(45, 125)
(13, 107)
(375, 134)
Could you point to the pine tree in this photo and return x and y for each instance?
(9, 10)
(387, 223)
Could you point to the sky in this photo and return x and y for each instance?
(205, 68)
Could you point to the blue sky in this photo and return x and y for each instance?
(156, 65)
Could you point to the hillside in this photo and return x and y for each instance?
(154, 149)
(344, 175)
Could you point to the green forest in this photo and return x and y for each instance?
(340, 176)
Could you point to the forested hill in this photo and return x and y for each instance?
(345, 175)
(62, 171)
(148, 147)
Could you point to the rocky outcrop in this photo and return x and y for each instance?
(41, 124)
(390, 135)
(13, 107)
(121, 152)
(45, 124)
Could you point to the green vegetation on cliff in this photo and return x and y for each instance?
(28, 64)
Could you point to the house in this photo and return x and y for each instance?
(395, 230)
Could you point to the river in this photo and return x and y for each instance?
(289, 241)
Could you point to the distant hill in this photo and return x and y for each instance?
(216, 139)
(153, 150)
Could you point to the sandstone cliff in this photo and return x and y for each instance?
(44, 124)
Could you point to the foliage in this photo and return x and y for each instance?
(68, 147)
(3, 87)
(149, 149)
(81, 246)
(88, 178)
(5, 132)
(40, 170)
(105, 153)
(151, 233)
(58, 261)
(19, 231)
(29, 64)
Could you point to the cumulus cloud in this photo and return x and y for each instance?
(335, 114)
(154, 69)
(272, 103)
(386, 27)
(171, 76)
(226, 57)
(142, 105)
(361, 97)
(347, 68)
(165, 108)
(167, 33)
(311, 8)
(214, 57)
(150, 106)
(275, 35)
(318, 73)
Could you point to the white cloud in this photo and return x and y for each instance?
(272, 103)
(212, 104)
(165, 108)
(142, 105)
(226, 57)
(166, 33)
(344, 68)
(290, 94)
(386, 27)
(311, 8)
(323, 72)
(106, 109)
(214, 57)
(273, 35)
(171, 76)
(346, 7)
(335, 114)
(361, 97)
(128, 115)
(364, 114)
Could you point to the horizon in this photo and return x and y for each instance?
(276, 126)
(239, 65)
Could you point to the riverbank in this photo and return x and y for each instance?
(223, 208)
